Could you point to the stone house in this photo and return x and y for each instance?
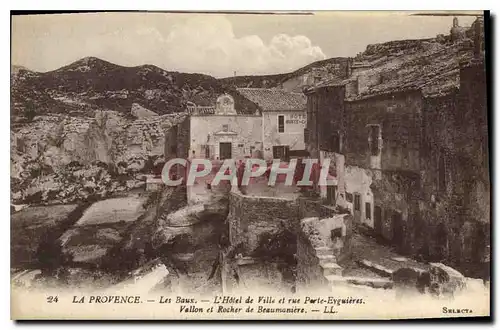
(221, 132)
(376, 139)
(455, 197)
(283, 120)
(415, 155)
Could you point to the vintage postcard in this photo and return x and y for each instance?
(250, 166)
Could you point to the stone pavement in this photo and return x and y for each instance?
(371, 259)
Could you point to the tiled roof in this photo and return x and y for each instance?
(275, 99)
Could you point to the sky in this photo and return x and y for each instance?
(216, 44)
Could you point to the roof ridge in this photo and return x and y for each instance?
(268, 89)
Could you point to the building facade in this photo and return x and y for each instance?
(415, 166)
(219, 132)
(283, 116)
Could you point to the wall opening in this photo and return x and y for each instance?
(378, 220)
(281, 124)
(281, 152)
(397, 228)
(336, 233)
(357, 202)
(368, 210)
(331, 192)
(225, 150)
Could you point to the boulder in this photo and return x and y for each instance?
(139, 111)
(410, 279)
(445, 281)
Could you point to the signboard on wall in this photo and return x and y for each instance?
(296, 118)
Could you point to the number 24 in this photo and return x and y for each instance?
(52, 299)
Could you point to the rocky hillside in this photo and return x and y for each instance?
(430, 64)
(92, 129)
(276, 80)
(92, 84)
(64, 159)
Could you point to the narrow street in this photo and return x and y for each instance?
(367, 248)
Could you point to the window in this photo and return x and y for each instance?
(348, 197)
(373, 140)
(357, 202)
(368, 210)
(336, 233)
(281, 123)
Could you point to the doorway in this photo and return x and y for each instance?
(397, 229)
(377, 225)
(225, 150)
(281, 152)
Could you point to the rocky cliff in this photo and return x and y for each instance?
(64, 158)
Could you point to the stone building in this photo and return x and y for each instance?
(283, 120)
(220, 132)
(414, 151)
(455, 199)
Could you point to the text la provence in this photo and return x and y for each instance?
(107, 299)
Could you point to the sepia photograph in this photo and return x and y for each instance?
(294, 165)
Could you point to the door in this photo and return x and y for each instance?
(331, 192)
(225, 150)
(357, 207)
(281, 152)
(377, 225)
(397, 229)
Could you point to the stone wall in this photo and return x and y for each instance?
(321, 244)
(455, 185)
(398, 115)
(250, 217)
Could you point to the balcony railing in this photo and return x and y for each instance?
(199, 110)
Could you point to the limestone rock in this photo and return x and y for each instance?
(59, 158)
(139, 111)
(445, 281)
